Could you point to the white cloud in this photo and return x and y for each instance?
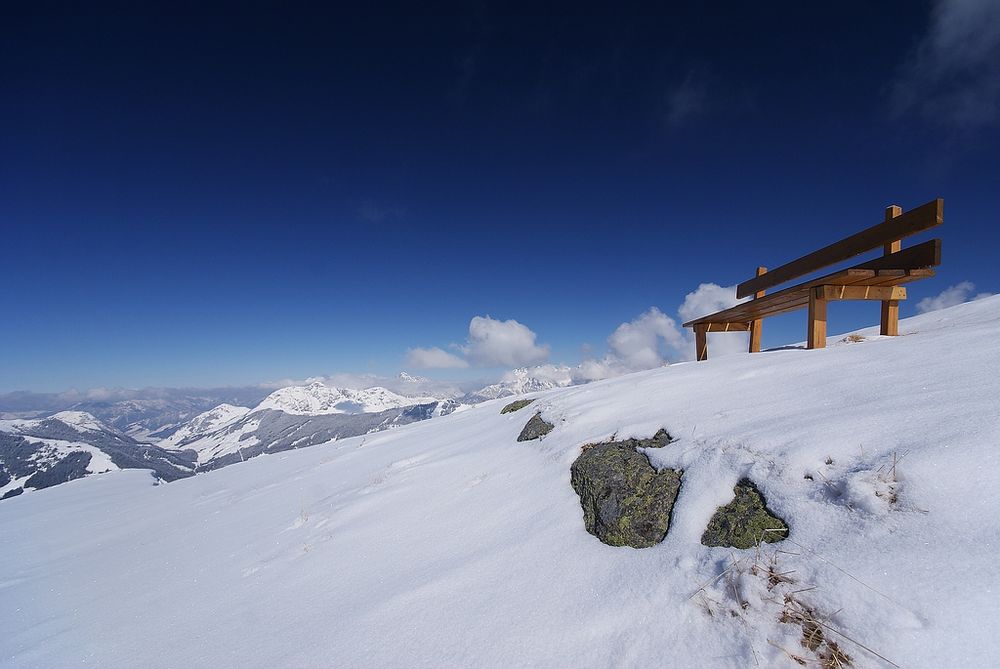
(495, 343)
(641, 343)
(950, 296)
(687, 99)
(707, 299)
(953, 76)
(653, 338)
(376, 212)
(433, 358)
(650, 340)
(490, 343)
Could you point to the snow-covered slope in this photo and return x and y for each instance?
(318, 398)
(205, 423)
(447, 543)
(40, 453)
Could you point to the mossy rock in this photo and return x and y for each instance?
(516, 405)
(535, 428)
(743, 523)
(625, 501)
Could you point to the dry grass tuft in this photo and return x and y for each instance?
(827, 652)
(821, 642)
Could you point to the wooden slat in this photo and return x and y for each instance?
(861, 292)
(845, 276)
(728, 327)
(915, 256)
(926, 254)
(916, 220)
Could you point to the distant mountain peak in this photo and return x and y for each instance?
(523, 380)
(80, 420)
(318, 398)
(204, 423)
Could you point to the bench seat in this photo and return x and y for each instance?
(797, 297)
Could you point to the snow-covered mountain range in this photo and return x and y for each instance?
(318, 398)
(236, 434)
(170, 430)
(522, 381)
(40, 453)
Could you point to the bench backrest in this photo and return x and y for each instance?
(886, 235)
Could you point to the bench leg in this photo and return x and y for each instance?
(701, 342)
(890, 318)
(890, 308)
(817, 319)
(755, 327)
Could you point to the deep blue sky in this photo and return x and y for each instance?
(194, 196)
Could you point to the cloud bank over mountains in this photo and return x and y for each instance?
(651, 339)
(490, 343)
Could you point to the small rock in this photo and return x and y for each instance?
(625, 501)
(742, 522)
(516, 405)
(658, 440)
(535, 428)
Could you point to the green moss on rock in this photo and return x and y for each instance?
(625, 501)
(745, 521)
(516, 405)
(535, 428)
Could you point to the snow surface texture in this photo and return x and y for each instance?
(448, 544)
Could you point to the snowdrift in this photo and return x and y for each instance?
(448, 543)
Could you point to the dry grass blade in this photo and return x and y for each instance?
(854, 641)
(848, 574)
(792, 657)
(713, 580)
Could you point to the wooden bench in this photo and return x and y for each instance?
(879, 279)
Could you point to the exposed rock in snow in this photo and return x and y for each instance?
(535, 428)
(626, 502)
(744, 522)
(516, 405)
